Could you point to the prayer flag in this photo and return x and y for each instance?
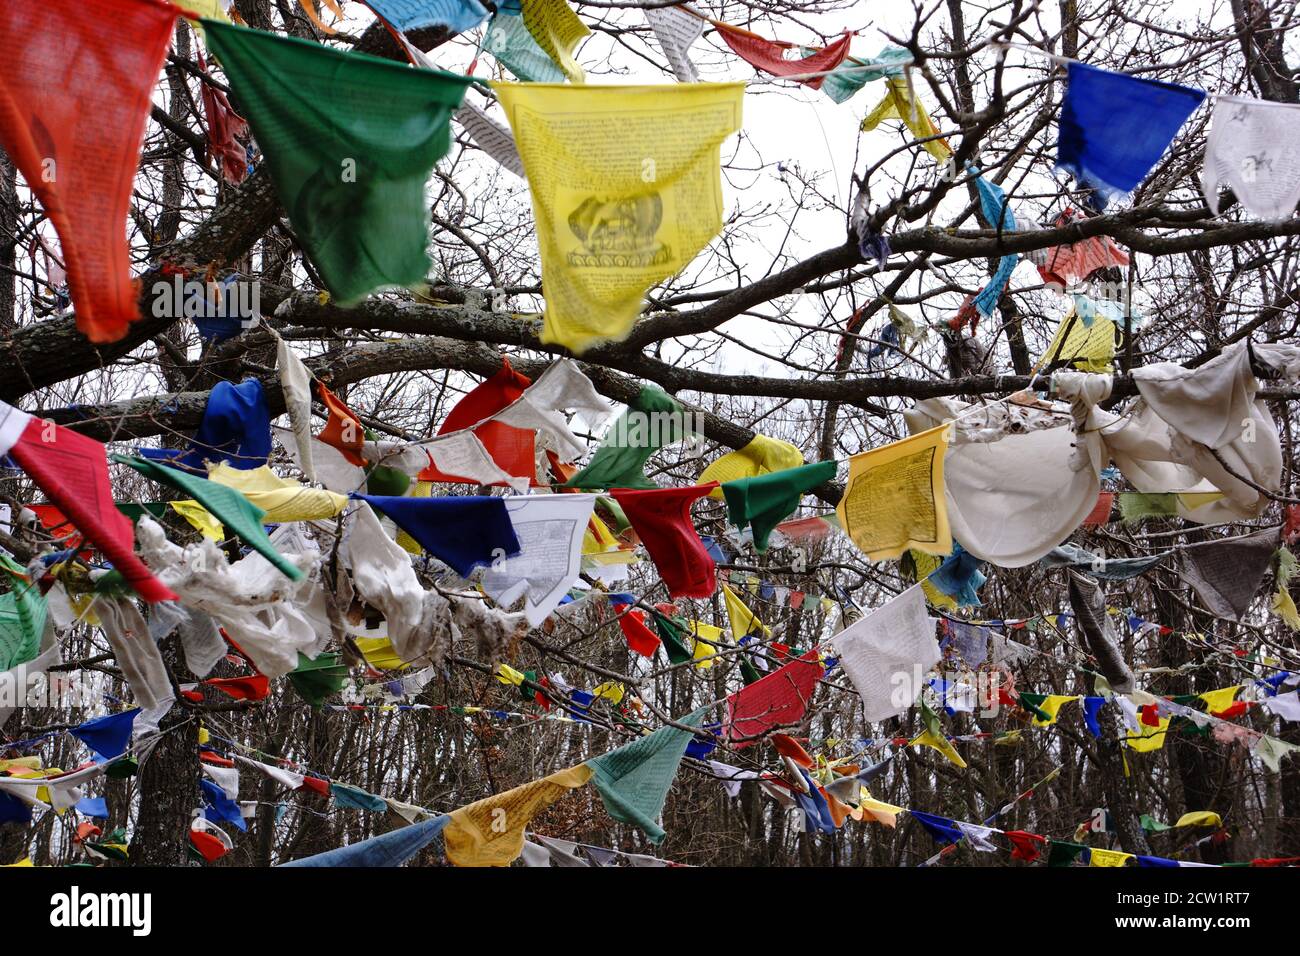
(662, 520)
(626, 189)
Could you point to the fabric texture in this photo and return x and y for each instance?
(651, 421)
(1254, 148)
(780, 698)
(1114, 128)
(490, 832)
(458, 16)
(510, 447)
(894, 498)
(887, 652)
(350, 141)
(769, 56)
(606, 235)
(509, 41)
(74, 100)
(72, 470)
(633, 780)
(1226, 574)
(1088, 602)
(557, 31)
(236, 428)
(550, 530)
(465, 532)
(765, 501)
(661, 518)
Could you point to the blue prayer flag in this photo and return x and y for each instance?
(465, 532)
(457, 16)
(108, 736)
(1114, 128)
(388, 849)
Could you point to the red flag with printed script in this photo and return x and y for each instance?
(76, 78)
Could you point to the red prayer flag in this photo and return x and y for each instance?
(640, 638)
(511, 448)
(1070, 264)
(1291, 528)
(209, 846)
(1024, 845)
(76, 77)
(1100, 513)
(661, 518)
(768, 55)
(225, 130)
(72, 470)
(778, 699)
(787, 746)
(316, 785)
(254, 687)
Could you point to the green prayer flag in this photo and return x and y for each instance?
(850, 77)
(672, 634)
(1033, 704)
(154, 509)
(633, 780)
(1063, 853)
(765, 501)
(350, 140)
(240, 516)
(748, 672)
(1134, 506)
(355, 798)
(509, 41)
(1151, 824)
(652, 420)
(315, 680)
(22, 617)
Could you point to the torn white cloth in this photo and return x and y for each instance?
(263, 611)
(331, 469)
(561, 386)
(979, 837)
(1286, 706)
(731, 777)
(286, 778)
(137, 654)
(1254, 147)
(887, 653)
(550, 530)
(295, 382)
(1010, 502)
(200, 638)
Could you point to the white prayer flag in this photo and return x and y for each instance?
(1254, 147)
(887, 654)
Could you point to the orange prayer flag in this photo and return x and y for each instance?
(76, 78)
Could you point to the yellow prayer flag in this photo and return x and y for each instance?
(1200, 818)
(743, 620)
(379, 653)
(894, 498)
(211, 9)
(626, 189)
(281, 499)
(1149, 738)
(1284, 607)
(25, 861)
(1221, 699)
(1051, 706)
(421, 489)
(490, 832)
(761, 456)
(1108, 857)
(941, 744)
(901, 103)
(200, 518)
(557, 31)
(927, 564)
(609, 690)
(705, 650)
(508, 675)
(1087, 348)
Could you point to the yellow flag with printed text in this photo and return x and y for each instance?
(626, 189)
(1099, 857)
(557, 31)
(491, 831)
(894, 498)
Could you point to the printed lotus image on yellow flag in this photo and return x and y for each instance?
(894, 497)
(626, 187)
(490, 832)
